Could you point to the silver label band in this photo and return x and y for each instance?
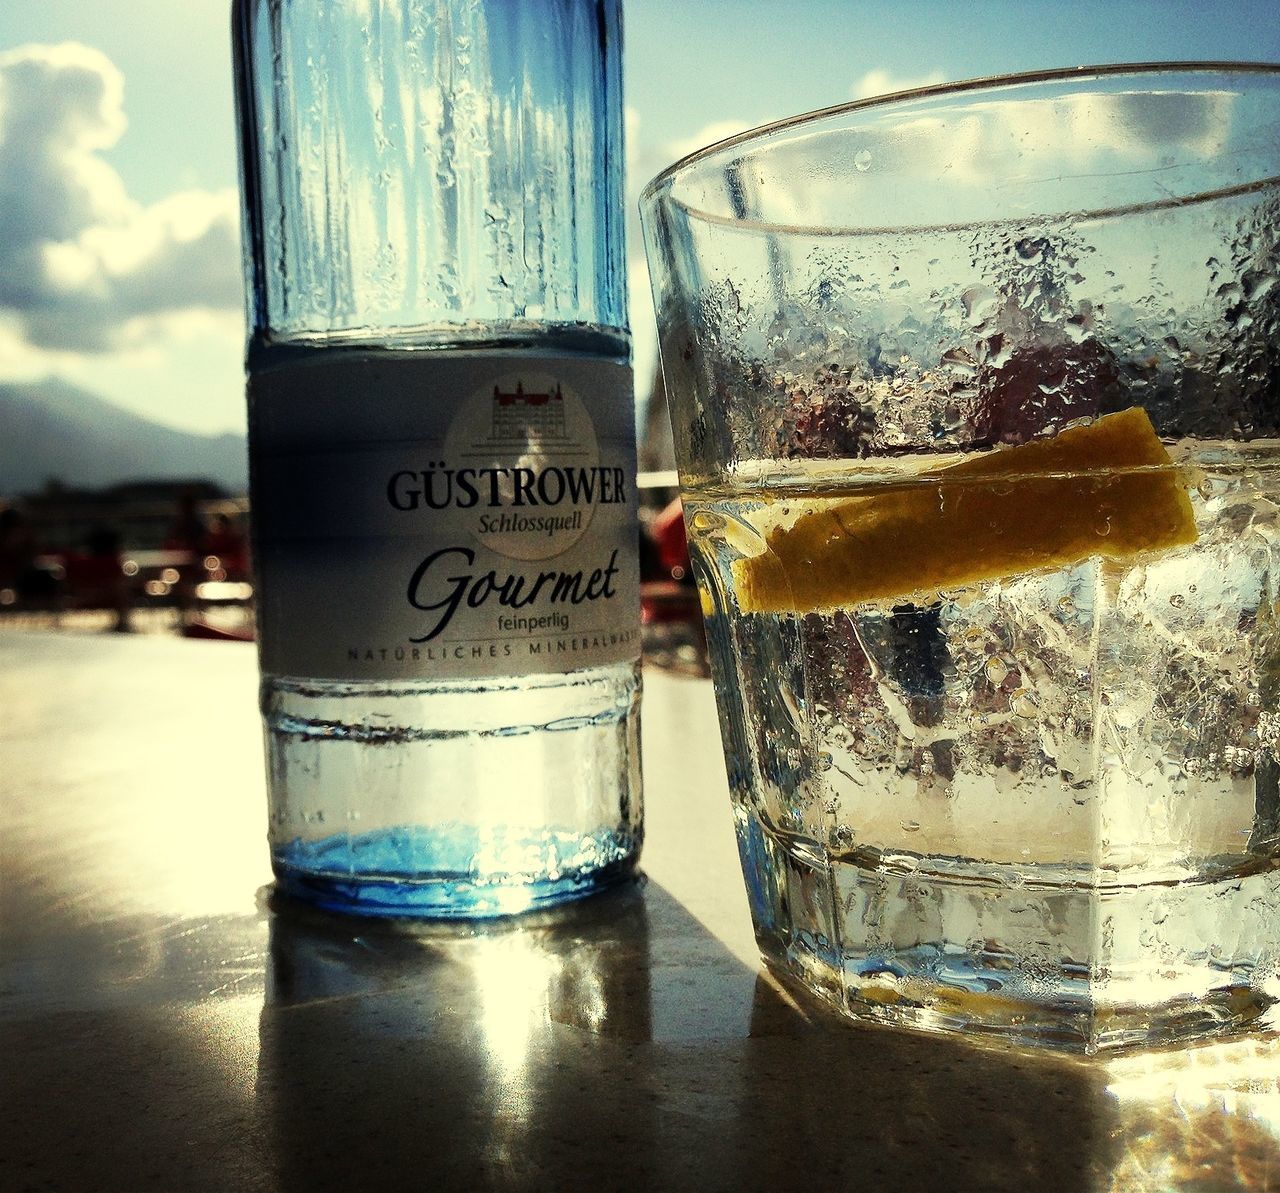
(444, 515)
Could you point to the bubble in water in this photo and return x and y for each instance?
(1023, 703)
(842, 837)
(1239, 759)
(707, 521)
(960, 362)
(862, 160)
(997, 670)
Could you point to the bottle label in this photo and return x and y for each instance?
(444, 515)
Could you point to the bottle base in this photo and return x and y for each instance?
(368, 876)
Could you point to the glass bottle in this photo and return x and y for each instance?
(442, 449)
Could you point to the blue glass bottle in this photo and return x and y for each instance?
(442, 449)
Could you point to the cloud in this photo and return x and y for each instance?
(83, 267)
(708, 134)
(881, 82)
(646, 160)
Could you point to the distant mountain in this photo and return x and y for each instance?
(50, 430)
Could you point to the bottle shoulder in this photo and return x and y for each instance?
(540, 339)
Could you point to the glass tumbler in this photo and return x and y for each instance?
(975, 395)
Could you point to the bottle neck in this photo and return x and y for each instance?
(426, 176)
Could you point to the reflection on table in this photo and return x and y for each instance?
(168, 1022)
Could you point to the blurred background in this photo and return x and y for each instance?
(122, 457)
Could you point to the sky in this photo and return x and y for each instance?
(119, 241)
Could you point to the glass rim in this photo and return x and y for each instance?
(982, 83)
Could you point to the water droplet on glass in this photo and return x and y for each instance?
(911, 826)
(1177, 600)
(1258, 284)
(862, 160)
(1030, 248)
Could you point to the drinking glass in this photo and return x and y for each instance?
(975, 394)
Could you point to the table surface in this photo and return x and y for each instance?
(167, 1024)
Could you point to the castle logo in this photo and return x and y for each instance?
(533, 439)
(520, 413)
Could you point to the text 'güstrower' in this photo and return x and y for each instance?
(437, 487)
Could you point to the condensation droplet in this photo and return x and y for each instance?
(862, 160)
(1030, 248)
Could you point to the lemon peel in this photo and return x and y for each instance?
(1106, 489)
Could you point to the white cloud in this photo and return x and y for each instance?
(82, 262)
(708, 134)
(644, 161)
(631, 136)
(881, 82)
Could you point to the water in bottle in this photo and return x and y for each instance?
(442, 449)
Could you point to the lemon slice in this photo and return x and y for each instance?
(1107, 489)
